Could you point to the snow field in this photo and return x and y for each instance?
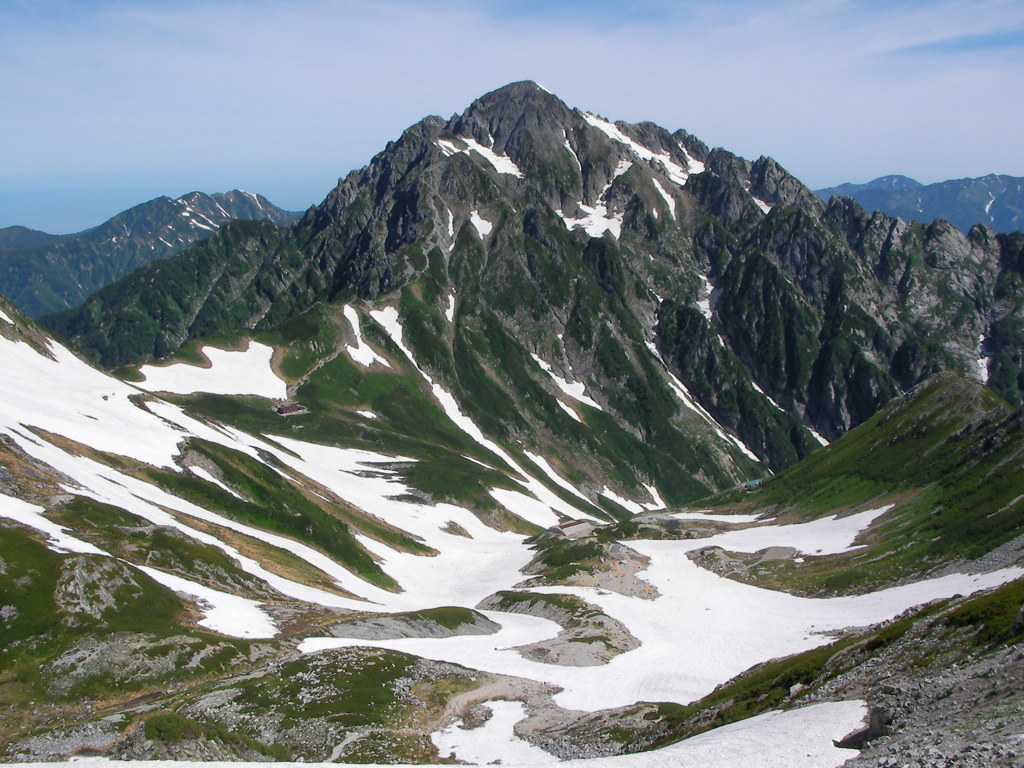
(228, 614)
(596, 220)
(683, 394)
(31, 516)
(701, 630)
(669, 200)
(677, 173)
(230, 373)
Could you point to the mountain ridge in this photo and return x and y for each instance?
(43, 273)
(995, 200)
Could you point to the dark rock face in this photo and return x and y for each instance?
(625, 255)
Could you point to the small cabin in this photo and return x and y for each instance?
(575, 529)
(290, 409)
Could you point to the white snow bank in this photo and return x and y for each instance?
(732, 519)
(595, 221)
(204, 474)
(669, 200)
(361, 353)
(494, 739)
(32, 516)
(500, 163)
(628, 504)
(761, 204)
(705, 304)
(228, 614)
(556, 478)
(699, 631)
(482, 225)
(677, 173)
(658, 502)
(5, 318)
(388, 319)
(224, 613)
(577, 390)
(231, 373)
(680, 391)
(825, 536)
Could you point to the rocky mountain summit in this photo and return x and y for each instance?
(43, 273)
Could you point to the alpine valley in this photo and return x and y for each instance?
(541, 438)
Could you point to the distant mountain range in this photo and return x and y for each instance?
(995, 201)
(44, 273)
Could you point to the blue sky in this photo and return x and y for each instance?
(107, 103)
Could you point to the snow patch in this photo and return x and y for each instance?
(761, 204)
(569, 411)
(500, 163)
(5, 318)
(983, 361)
(669, 200)
(203, 474)
(658, 502)
(557, 479)
(361, 353)
(512, 500)
(576, 390)
(367, 414)
(681, 392)
(479, 746)
(31, 516)
(627, 504)
(705, 304)
(228, 614)
(482, 225)
(245, 372)
(676, 173)
(571, 150)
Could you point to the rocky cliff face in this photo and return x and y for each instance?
(714, 309)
